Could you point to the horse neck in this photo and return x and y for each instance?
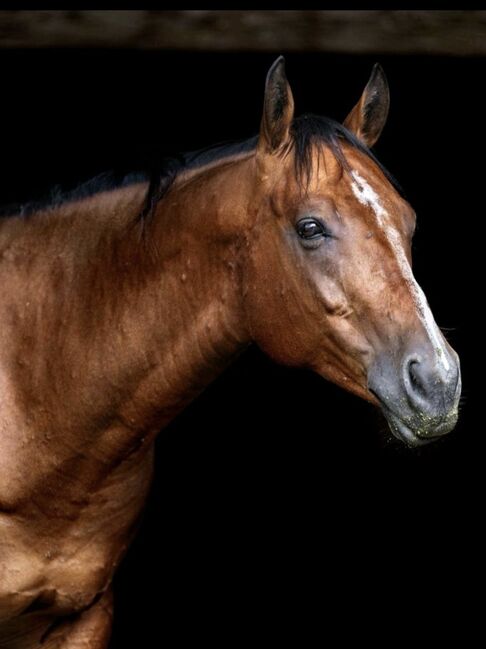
(124, 330)
(198, 233)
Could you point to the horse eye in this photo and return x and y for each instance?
(310, 229)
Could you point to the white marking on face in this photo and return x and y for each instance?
(366, 195)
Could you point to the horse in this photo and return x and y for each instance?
(121, 303)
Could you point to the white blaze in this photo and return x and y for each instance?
(367, 196)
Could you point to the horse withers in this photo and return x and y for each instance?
(120, 304)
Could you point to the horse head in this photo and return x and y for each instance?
(328, 283)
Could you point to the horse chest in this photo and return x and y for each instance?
(50, 576)
(25, 461)
(62, 572)
(57, 553)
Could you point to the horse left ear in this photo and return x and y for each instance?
(368, 117)
(278, 109)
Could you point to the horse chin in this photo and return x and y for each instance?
(411, 438)
(401, 431)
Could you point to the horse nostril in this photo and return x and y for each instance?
(414, 379)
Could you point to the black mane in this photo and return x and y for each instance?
(307, 131)
(58, 196)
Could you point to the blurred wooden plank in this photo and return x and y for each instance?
(426, 32)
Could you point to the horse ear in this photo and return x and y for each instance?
(278, 109)
(368, 117)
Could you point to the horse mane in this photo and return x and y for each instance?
(307, 131)
(57, 196)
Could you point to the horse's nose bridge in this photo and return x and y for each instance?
(420, 327)
(392, 300)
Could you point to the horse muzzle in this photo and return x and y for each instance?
(419, 395)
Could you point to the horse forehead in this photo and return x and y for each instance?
(362, 166)
(337, 181)
(328, 172)
(359, 190)
(379, 199)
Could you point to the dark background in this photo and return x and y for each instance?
(275, 485)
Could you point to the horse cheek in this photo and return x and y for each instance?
(274, 305)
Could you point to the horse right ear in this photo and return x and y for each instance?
(278, 110)
(368, 117)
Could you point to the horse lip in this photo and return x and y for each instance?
(399, 428)
(405, 434)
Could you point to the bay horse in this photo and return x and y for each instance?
(119, 305)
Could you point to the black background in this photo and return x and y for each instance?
(275, 489)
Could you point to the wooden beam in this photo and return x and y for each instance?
(457, 32)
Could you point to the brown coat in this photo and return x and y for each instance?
(110, 327)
